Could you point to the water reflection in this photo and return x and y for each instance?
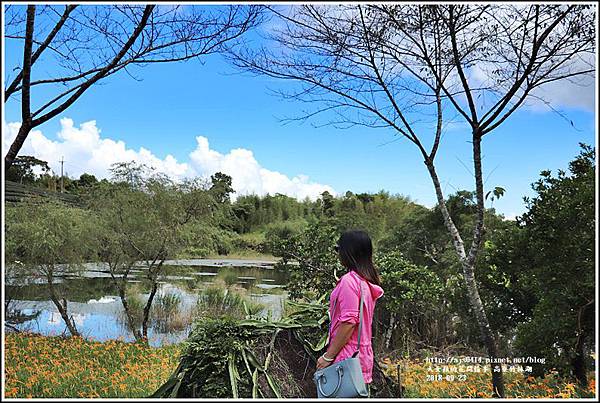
(98, 313)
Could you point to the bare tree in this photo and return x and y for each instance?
(405, 67)
(88, 43)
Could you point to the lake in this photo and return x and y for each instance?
(98, 313)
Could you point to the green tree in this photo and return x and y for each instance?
(221, 187)
(146, 220)
(278, 233)
(310, 259)
(47, 240)
(559, 227)
(411, 298)
(421, 235)
(86, 180)
(22, 167)
(327, 203)
(507, 290)
(256, 213)
(393, 65)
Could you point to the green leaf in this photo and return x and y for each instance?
(273, 386)
(253, 360)
(164, 389)
(321, 343)
(233, 375)
(254, 383)
(176, 388)
(499, 192)
(245, 357)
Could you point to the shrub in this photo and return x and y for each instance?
(204, 239)
(219, 300)
(412, 295)
(310, 259)
(206, 357)
(279, 232)
(225, 358)
(254, 241)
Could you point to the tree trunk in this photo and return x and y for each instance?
(130, 320)
(485, 331)
(444, 324)
(468, 267)
(390, 331)
(578, 362)
(26, 125)
(62, 308)
(121, 285)
(147, 309)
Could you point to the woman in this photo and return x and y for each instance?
(355, 252)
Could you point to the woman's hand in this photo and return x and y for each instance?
(321, 363)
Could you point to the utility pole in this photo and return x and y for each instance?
(62, 182)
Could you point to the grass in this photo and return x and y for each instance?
(167, 302)
(220, 299)
(237, 254)
(245, 254)
(167, 315)
(414, 373)
(57, 367)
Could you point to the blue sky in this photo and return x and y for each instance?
(177, 102)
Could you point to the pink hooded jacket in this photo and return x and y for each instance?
(346, 292)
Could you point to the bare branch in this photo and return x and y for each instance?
(100, 74)
(90, 43)
(497, 109)
(12, 87)
(452, 27)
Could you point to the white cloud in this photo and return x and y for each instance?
(248, 176)
(579, 93)
(102, 300)
(85, 150)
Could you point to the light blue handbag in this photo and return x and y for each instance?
(343, 378)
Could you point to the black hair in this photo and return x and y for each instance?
(356, 253)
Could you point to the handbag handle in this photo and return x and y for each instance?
(360, 319)
(339, 383)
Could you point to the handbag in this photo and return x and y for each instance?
(343, 378)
